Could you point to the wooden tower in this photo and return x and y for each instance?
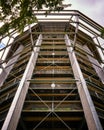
(53, 78)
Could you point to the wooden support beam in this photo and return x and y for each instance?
(76, 31)
(53, 118)
(58, 33)
(10, 63)
(96, 65)
(91, 116)
(13, 115)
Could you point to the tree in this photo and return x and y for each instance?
(102, 32)
(16, 14)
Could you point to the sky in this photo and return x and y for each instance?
(91, 8)
(2, 45)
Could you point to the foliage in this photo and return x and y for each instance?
(16, 14)
(102, 32)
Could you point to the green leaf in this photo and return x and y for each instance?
(4, 29)
(102, 32)
(20, 12)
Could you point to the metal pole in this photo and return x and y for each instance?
(91, 116)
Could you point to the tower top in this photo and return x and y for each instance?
(71, 22)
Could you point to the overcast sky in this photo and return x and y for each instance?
(92, 8)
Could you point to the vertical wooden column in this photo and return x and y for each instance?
(10, 65)
(76, 30)
(13, 115)
(91, 116)
(95, 64)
